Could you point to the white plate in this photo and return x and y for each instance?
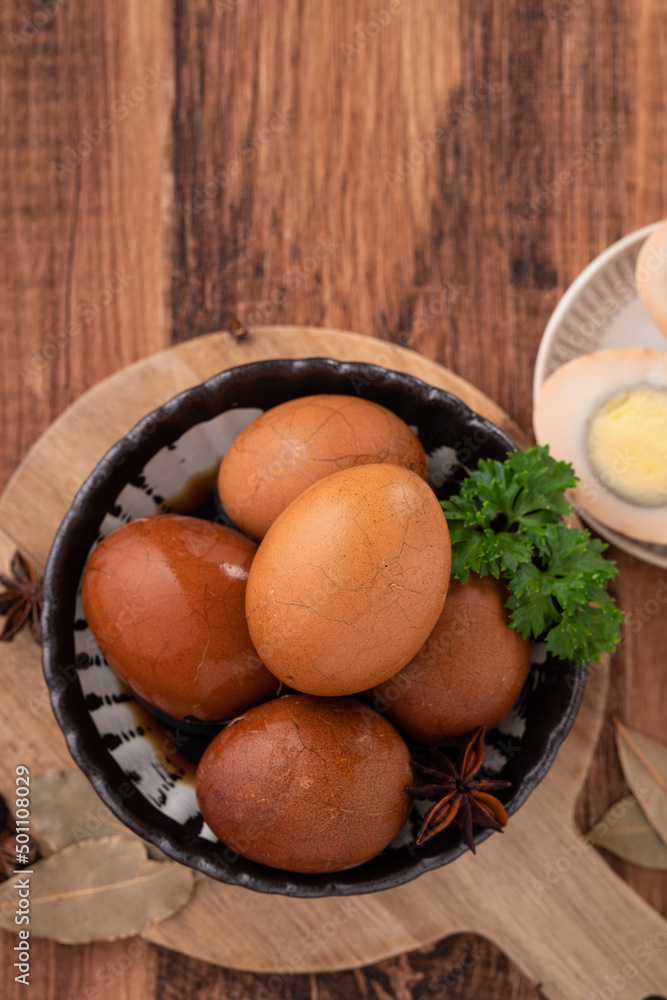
(601, 310)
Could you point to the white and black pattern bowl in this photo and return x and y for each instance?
(144, 772)
(601, 311)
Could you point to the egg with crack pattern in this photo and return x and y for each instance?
(469, 672)
(306, 784)
(293, 445)
(164, 597)
(349, 580)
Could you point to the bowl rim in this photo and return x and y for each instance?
(651, 552)
(571, 293)
(159, 428)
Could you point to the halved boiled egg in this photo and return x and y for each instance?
(651, 276)
(606, 413)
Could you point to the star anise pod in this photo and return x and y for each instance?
(238, 331)
(9, 855)
(8, 846)
(461, 796)
(21, 602)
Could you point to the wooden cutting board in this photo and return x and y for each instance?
(544, 896)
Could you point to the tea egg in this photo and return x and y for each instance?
(606, 413)
(469, 672)
(306, 784)
(164, 598)
(349, 580)
(291, 446)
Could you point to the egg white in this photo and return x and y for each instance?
(651, 276)
(567, 402)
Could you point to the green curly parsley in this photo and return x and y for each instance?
(506, 520)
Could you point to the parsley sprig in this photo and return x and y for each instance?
(506, 521)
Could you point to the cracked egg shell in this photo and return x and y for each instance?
(306, 784)
(469, 672)
(564, 412)
(349, 580)
(293, 445)
(164, 597)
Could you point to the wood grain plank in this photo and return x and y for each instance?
(118, 970)
(431, 152)
(451, 245)
(457, 968)
(85, 202)
(30, 734)
(437, 260)
(35, 740)
(451, 256)
(636, 194)
(638, 696)
(85, 214)
(248, 930)
(346, 87)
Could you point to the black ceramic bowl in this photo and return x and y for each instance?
(128, 757)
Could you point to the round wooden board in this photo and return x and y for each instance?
(540, 892)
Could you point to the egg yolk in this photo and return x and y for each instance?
(627, 444)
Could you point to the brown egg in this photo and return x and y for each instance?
(164, 598)
(349, 580)
(291, 446)
(306, 784)
(468, 673)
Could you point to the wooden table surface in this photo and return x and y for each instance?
(391, 169)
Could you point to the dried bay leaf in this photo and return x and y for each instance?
(644, 763)
(625, 831)
(97, 890)
(65, 808)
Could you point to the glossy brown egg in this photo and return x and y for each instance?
(291, 446)
(468, 673)
(306, 784)
(164, 597)
(349, 580)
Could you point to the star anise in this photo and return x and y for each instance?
(238, 331)
(9, 852)
(461, 796)
(21, 602)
